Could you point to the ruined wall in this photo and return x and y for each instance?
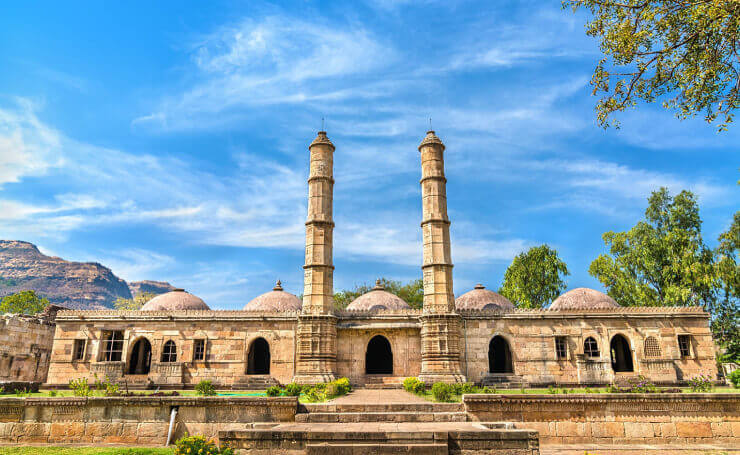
(25, 347)
(227, 337)
(132, 420)
(531, 337)
(356, 329)
(616, 418)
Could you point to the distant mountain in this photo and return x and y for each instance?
(83, 285)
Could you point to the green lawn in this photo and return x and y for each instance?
(186, 393)
(84, 451)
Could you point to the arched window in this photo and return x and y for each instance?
(590, 347)
(652, 348)
(169, 352)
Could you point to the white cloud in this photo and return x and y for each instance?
(134, 264)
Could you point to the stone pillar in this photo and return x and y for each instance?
(316, 352)
(440, 330)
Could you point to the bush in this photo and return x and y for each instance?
(315, 394)
(200, 445)
(414, 385)
(642, 385)
(52, 393)
(343, 386)
(293, 389)
(701, 383)
(468, 387)
(205, 388)
(109, 388)
(273, 391)
(442, 391)
(734, 378)
(80, 387)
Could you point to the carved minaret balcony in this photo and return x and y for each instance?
(317, 334)
(440, 333)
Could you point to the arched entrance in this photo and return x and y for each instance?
(621, 355)
(140, 358)
(379, 356)
(258, 359)
(499, 356)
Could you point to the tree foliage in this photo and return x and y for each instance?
(133, 304)
(724, 308)
(23, 302)
(411, 292)
(684, 52)
(661, 260)
(534, 278)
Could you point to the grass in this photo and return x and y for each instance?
(427, 395)
(185, 393)
(84, 451)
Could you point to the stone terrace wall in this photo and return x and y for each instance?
(616, 418)
(132, 420)
(25, 347)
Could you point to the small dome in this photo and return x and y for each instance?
(175, 300)
(583, 299)
(378, 299)
(481, 298)
(275, 300)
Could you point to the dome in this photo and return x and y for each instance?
(175, 300)
(583, 299)
(378, 299)
(275, 300)
(481, 298)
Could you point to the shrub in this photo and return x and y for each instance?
(52, 393)
(734, 378)
(293, 389)
(552, 390)
(409, 383)
(273, 391)
(641, 385)
(343, 386)
(487, 389)
(442, 391)
(80, 387)
(701, 383)
(109, 388)
(469, 387)
(315, 394)
(191, 445)
(205, 388)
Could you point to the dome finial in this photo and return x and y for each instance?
(278, 286)
(378, 285)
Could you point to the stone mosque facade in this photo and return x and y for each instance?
(583, 338)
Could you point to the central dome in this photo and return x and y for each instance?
(481, 298)
(583, 299)
(176, 300)
(378, 299)
(275, 300)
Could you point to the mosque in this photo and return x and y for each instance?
(583, 338)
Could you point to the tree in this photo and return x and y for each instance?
(534, 278)
(24, 302)
(411, 292)
(133, 304)
(724, 308)
(661, 260)
(684, 52)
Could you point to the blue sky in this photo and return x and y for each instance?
(168, 140)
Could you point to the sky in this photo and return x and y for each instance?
(169, 140)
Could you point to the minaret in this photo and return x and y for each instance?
(440, 332)
(316, 346)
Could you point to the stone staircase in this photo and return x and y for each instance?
(396, 412)
(255, 382)
(383, 382)
(503, 381)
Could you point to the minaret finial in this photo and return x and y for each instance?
(378, 285)
(430, 124)
(322, 124)
(278, 286)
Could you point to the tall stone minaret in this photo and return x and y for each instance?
(440, 332)
(316, 352)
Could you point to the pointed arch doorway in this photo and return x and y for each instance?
(141, 357)
(379, 356)
(499, 356)
(258, 359)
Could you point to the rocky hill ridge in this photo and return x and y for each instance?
(82, 285)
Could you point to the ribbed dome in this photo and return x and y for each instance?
(481, 298)
(175, 300)
(275, 300)
(378, 299)
(583, 299)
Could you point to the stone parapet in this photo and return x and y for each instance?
(662, 418)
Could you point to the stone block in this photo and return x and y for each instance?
(721, 429)
(638, 430)
(607, 429)
(694, 429)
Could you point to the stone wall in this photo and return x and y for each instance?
(132, 420)
(616, 418)
(25, 347)
(531, 336)
(228, 336)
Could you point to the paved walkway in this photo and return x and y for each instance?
(378, 396)
(637, 449)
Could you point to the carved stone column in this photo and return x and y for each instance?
(440, 331)
(316, 355)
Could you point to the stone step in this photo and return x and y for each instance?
(376, 449)
(502, 380)
(380, 407)
(348, 417)
(255, 382)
